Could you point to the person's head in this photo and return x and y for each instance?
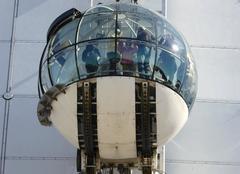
(89, 47)
(140, 29)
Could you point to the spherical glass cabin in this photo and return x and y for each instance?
(117, 40)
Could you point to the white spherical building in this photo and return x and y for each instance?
(117, 81)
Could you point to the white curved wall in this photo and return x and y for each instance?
(64, 114)
(172, 114)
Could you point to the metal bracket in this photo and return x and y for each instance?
(45, 104)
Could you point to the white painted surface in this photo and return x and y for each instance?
(28, 138)
(211, 134)
(172, 114)
(151, 4)
(2, 109)
(218, 71)
(116, 117)
(64, 114)
(204, 22)
(209, 143)
(6, 16)
(4, 60)
(46, 166)
(26, 59)
(188, 167)
(33, 23)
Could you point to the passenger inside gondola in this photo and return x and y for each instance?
(128, 52)
(90, 56)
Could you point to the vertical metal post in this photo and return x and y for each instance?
(164, 7)
(91, 3)
(162, 152)
(8, 95)
(162, 160)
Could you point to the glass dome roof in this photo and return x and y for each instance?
(117, 39)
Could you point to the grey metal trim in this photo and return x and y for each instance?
(214, 47)
(164, 8)
(8, 90)
(215, 101)
(202, 162)
(39, 158)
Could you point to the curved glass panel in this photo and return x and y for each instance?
(189, 87)
(62, 66)
(45, 53)
(97, 26)
(126, 7)
(134, 25)
(97, 58)
(169, 39)
(64, 37)
(45, 80)
(136, 57)
(128, 50)
(100, 8)
(120, 39)
(169, 69)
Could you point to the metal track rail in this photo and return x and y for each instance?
(87, 124)
(146, 123)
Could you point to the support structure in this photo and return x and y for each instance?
(146, 129)
(162, 152)
(91, 3)
(119, 117)
(164, 8)
(162, 160)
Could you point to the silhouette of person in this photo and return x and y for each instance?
(127, 50)
(144, 52)
(90, 56)
(166, 63)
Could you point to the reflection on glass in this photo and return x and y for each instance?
(64, 37)
(46, 83)
(63, 67)
(44, 74)
(90, 56)
(127, 7)
(145, 58)
(169, 39)
(100, 9)
(45, 53)
(128, 52)
(169, 69)
(120, 39)
(95, 26)
(189, 87)
(96, 58)
(131, 24)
